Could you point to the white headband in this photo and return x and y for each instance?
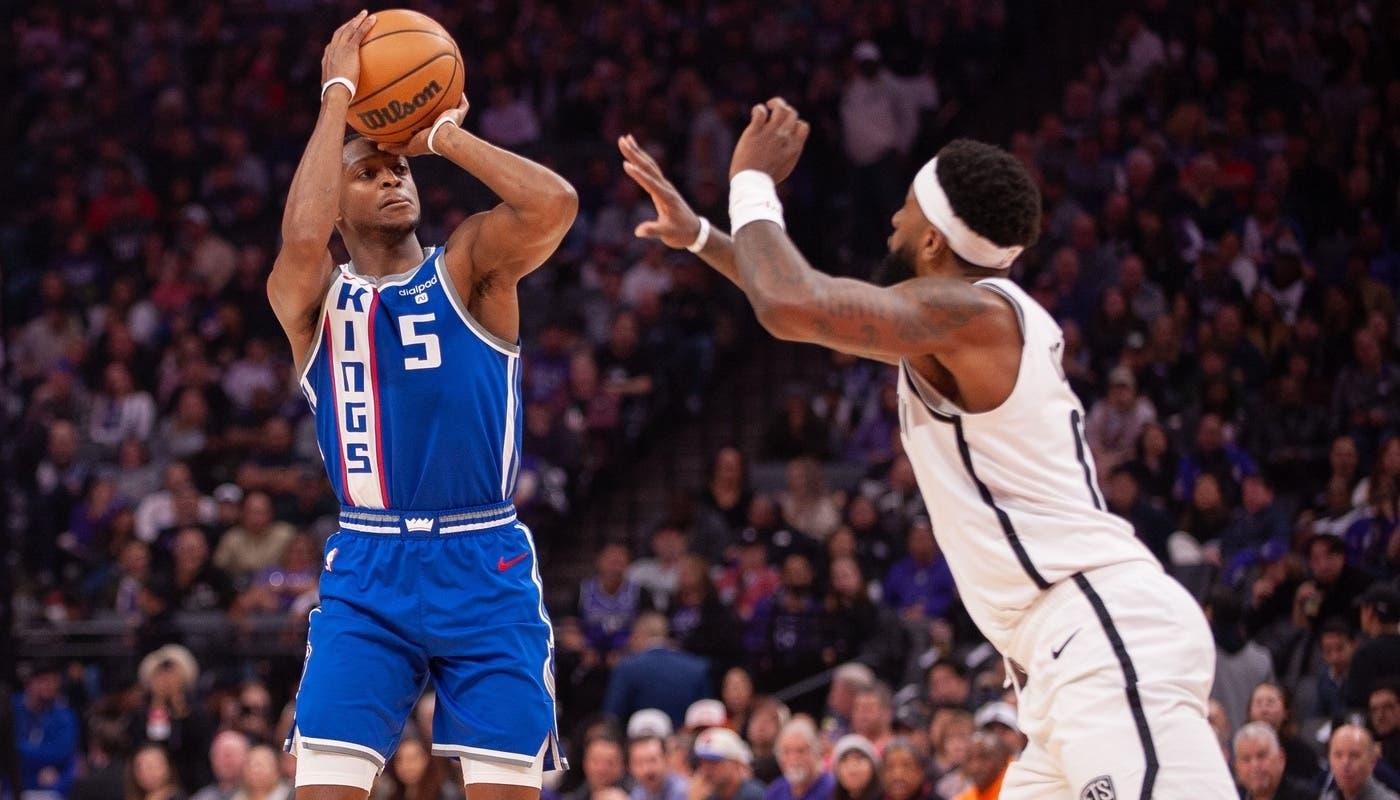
(966, 242)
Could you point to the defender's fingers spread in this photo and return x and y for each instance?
(646, 229)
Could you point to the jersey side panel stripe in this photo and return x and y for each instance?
(378, 403)
(508, 444)
(335, 409)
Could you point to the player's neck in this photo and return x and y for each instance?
(377, 259)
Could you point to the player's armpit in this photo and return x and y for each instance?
(295, 290)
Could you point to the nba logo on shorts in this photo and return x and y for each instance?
(1100, 788)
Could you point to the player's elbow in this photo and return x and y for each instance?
(780, 317)
(563, 202)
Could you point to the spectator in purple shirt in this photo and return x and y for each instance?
(799, 757)
(920, 584)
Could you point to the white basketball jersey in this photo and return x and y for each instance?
(1012, 492)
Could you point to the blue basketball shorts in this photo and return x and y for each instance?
(453, 598)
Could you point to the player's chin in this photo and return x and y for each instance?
(399, 215)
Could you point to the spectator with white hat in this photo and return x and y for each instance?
(856, 766)
(724, 772)
(649, 722)
(705, 713)
(999, 719)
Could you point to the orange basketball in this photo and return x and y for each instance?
(410, 72)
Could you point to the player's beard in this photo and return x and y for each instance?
(897, 267)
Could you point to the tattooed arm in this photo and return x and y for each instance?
(943, 317)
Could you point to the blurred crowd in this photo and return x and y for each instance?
(1221, 247)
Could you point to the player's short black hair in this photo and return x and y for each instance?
(351, 135)
(991, 191)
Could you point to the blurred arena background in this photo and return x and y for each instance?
(1221, 245)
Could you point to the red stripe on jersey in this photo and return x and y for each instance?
(378, 402)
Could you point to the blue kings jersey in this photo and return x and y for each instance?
(417, 405)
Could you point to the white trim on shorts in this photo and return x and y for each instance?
(330, 762)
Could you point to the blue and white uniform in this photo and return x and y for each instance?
(430, 576)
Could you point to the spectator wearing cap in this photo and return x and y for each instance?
(1333, 586)
(856, 767)
(647, 763)
(921, 586)
(987, 760)
(1379, 656)
(999, 719)
(724, 772)
(799, 758)
(1116, 421)
(169, 715)
(1259, 763)
(46, 733)
(706, 713)
(1352, 755)
(227, 756)
(633, 684)
(602, 768)
(649, 722)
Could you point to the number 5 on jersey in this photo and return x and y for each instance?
(408, 330)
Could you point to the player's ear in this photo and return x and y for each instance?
(932, 243)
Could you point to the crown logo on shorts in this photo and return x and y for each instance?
(418, 525)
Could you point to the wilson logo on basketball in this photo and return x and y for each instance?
(395, 110)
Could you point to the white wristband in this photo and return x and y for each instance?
(753, 197)
(444, 120)
(700, 238)
(346, 82)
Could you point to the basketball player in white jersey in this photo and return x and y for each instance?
(1118, 656)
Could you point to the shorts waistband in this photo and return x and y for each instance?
(412, 522)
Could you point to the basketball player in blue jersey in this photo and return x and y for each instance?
(408, 357)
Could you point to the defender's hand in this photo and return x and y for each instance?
(342, 56)
(676, 225)
(418, 145)
(772, 142)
